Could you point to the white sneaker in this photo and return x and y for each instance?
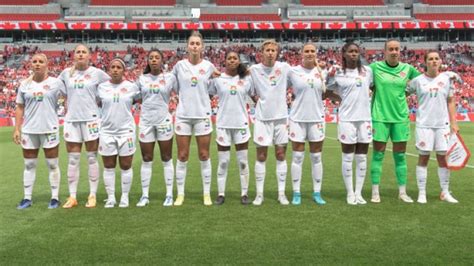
(405, 198)
(179, 200)
(360, 200)
(168, 201)
(422, 198)
(123, 202)
(110, 203)
(375, 197)
(283, 200)
(144, 201)
(351, 199)
(446, 196)
(258, 200)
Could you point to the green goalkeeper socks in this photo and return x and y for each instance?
(376, 166)
(400, 167)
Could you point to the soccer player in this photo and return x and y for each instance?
(307, 121)
(435, 120)
(117, 132)
(232, 87)
(390, 117)
(271, 117)
(37, 126)
(193, 115)
(156, 124)
(82, 122)
(352, 83)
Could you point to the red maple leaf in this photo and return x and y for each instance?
(45, 26)
(153, 26)
(300, 26)
(116, 26)
(335, 25)
(371, 25)
(408, 25)
(443, 25)
(8, 26)
(78, 26)
(262, 26)
(191, 26)
(228, 26)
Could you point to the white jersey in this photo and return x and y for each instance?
(193, 85)
(81, 93)
(271, 84)
(308, 90)
(155, 92)
(432, 94)
(232, 92)
(41, 103)
(117, 101)
(354, 89)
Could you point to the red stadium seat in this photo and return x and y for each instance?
(342, 3)
(23, 2)
(240, 17)
(445, 16)
(133, 3)
(29, 17)
(238, 3)
(448, 2)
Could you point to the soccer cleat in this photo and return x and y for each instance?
(422, 198)
(144, 201)
(351, 199)
(360, 200)
(446, 196)
(168, 201)
(283, 200)
(318, 199)
(405, 198)
(123, 201)
(245, 200)
(70, 203)
(296, 198)
(179, 200)
(207, 200)
(91, 201)
(375, 197)
(220, 200)
(110, 203)
(24, 203)
(258, 200)
(54, 204)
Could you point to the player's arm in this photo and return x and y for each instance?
(452, 114)
(19, 112)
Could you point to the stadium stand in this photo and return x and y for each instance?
(239, 17)
(342, 3)
(448, 2)
(29, 17)
(23, 2)
(238, 2)
(133, 3)
(445, 16)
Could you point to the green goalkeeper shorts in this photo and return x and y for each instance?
(397, 132)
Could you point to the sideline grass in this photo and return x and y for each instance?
(390, 232)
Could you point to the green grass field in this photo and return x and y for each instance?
(390, 233)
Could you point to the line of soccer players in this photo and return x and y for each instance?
(99, 116)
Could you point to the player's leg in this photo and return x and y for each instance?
(400, 134)
(183, 131)
(109, 162)
(73, 137)
(347, 135)
(93, 171)
(30, 147)
(315, 149)
(166, 151)
(126, 171)
(262, 137)
(224, 140)
(147, 138)
(424, 144)
(203, 139)
(381, 133)
(51, 154)
(242, 160)
(441, 146)
(280, 138)
(298, 138)
(361, 170)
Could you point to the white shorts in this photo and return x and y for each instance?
(432, 139)
(267, 133)
(121, 145)
(161, 132)
(227, 136)
(354, 132)
(36, 141)
(80, 132)
(190, 126)
(307, 131)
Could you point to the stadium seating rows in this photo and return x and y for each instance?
(445, 16)
(239, 17)
(133, 3)
(238, 2)
(448, 2)
(23, 2)
(342, 3)
(29, 17)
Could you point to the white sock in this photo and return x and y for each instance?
(145, 173)
(375, 189)
(402, 189)
(54, 176)
(29, 177)
(73, 172)
(361, 171)
(421, 176)
(127, 178)
(181, 168)
(281, 170)
(443, 174)
(347, 159)
(224, 158)
(109, 182)
(206, 174)
(296, 169)
(317, 171)
(243, 170)
(260, 171)
(93, 172)
(168, 169)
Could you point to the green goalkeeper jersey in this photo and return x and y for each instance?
(389, 104)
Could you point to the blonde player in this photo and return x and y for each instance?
(435, 120)
(271, 117)
(307, 121)
(352, 83)
(232, 88)
(37, 127)
(82, 122)
(156, 124)
(117, 132)
(193, 115)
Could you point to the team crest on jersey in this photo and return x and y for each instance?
(317, 75)
(87, 76)
(123, 90)
(403, 74)
(277, 72)
(38, 96)
(162, 82)
(240, 82)
(233, 90)
(441, 84)
(194, 81)
(202, 71)
(362, 74)
(46, 87)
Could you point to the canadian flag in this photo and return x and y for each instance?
(447, 25)
(84, 26)
(231, 26)
(339, 25)
(410, 25)
(194, 26)
(470, 24)
(302, 26)
(266, 26)
(6, 25)
(48, 26)
(157, 26)
(372, 25)
(120, 26)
